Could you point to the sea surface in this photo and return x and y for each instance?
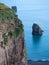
(34, 11)
(37, 47)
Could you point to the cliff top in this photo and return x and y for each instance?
(10, 24)
(5, 12)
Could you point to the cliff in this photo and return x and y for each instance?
(12, 44)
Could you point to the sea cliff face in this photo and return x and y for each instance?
(12, 44)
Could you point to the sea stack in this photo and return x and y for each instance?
(36, 30)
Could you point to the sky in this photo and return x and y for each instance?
(28, 4)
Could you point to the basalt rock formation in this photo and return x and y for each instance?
(12, 44)
(36, 30)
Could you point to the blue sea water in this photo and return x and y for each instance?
(34, 12)
(37, 47)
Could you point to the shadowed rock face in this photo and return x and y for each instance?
(14, 8)
(36, 30)
(12, 44)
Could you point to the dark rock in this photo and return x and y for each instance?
(14, 8)
(36, 30)
(30, 62)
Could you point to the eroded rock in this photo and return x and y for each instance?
(36, 30)
(12, 44)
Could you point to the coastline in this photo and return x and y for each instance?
(38, 62)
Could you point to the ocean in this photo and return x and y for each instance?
(34, 11)
(37, 47)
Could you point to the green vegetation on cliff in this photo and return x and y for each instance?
(5, 12)
(10, 24)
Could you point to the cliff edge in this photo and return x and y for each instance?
(12, 44)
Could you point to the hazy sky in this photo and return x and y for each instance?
(28, 4)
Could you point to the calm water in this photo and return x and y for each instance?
(37, 47)
(34, 11)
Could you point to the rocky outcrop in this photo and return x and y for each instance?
(36, 30)
(38, 62)
(12, 44)
(14, 8)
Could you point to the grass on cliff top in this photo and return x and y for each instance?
(9, 14)
(5, 12)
